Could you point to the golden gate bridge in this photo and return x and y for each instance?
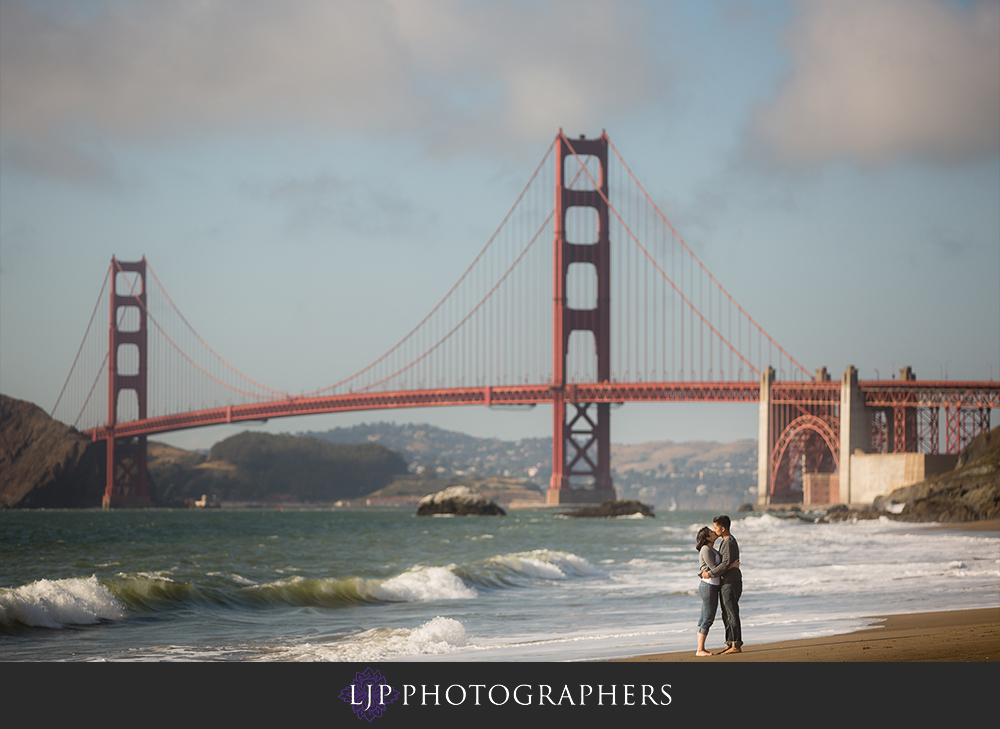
(585, 296)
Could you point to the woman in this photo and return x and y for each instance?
(709, 587)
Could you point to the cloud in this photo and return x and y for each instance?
(874, 81)
(452, 74)
(949, 242)
(323, 201)
(68, 160)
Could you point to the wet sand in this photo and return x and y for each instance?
(954, 635)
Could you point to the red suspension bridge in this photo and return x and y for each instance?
(616, 309)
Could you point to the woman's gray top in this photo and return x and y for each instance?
(709, 558)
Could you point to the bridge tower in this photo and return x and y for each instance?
(581, 432)
(127, 372)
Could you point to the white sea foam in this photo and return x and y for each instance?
(876, 566)
(58, 603)
(545, 564)
(642, 562)
(159, 576)
(530, 566)
(234, 577)
(573, 563)
(424, 584)
(435, 637)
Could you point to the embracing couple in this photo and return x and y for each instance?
(721, 579)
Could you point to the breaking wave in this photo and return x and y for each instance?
(58, 604)
(435, 637)
(84, 601)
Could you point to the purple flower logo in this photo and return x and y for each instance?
(369, 694)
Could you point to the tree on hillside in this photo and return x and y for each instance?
(306, 468)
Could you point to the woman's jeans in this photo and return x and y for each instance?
(709, 604)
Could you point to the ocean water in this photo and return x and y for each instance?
(386, 585)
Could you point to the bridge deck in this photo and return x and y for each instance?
(877, 394)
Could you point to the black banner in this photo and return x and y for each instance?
(401, 693)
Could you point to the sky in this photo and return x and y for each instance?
(308, 178)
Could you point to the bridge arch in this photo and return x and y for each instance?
(807, 435)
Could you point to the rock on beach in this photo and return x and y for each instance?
(458, 500)
(614, 508)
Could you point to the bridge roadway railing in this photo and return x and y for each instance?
(930, 393)
(484, 396)
(891, 393)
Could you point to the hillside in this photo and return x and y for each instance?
(252, 466)
(47, 464)
(692, 475)
(44, 463)
(430, 450)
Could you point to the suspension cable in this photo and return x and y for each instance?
(651, 260)
(205, 344)
(450, 291)
(184, 354)
(82, 342)
(698, 260)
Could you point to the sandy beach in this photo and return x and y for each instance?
(954, 635)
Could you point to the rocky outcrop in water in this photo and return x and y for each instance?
(44, 463)
(614, 508)
(458, 500)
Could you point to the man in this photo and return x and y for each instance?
(732, 584)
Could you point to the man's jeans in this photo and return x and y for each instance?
(729, 594)
(709, 604)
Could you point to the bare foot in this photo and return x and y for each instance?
(732, 649)
(702, 653)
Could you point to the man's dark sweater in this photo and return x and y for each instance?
(730, 553)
